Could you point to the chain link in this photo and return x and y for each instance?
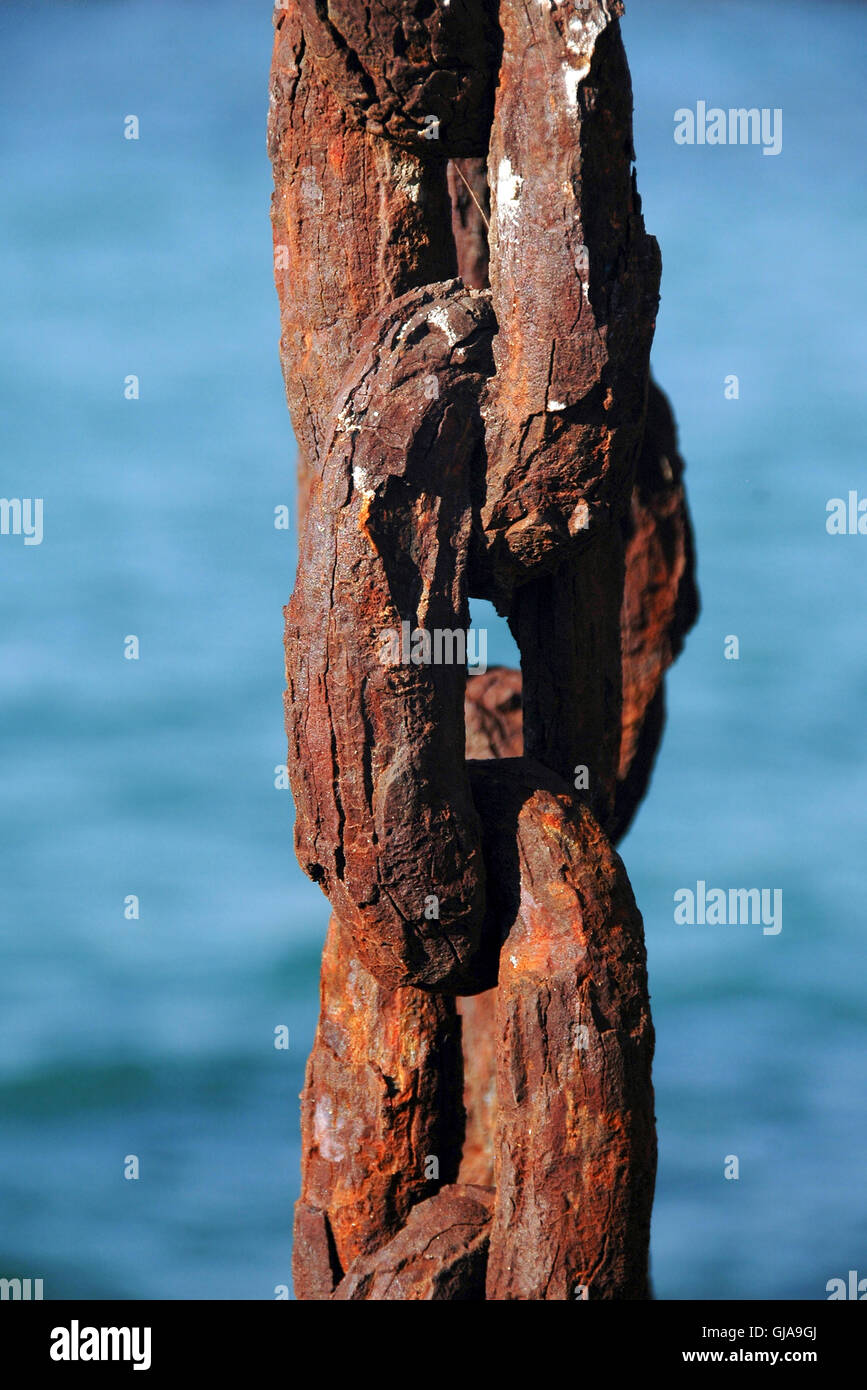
(468, 377)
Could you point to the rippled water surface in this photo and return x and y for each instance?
(155, 777)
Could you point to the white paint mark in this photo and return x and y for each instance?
(359, 478)
(405, 173)
(509, 185)
(324, 1131)
(572, 78)
(342, 425)
(556, 405)
(581, 41)
(440, 319)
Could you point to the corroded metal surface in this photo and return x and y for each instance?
(467, 365)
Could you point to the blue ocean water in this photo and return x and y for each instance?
(155, 777)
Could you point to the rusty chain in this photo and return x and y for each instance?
(468, 377)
